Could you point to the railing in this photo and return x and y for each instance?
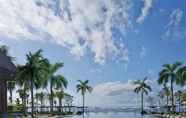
(58, 109)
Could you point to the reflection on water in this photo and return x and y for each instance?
(114, 115)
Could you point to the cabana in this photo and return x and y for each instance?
(7, 73)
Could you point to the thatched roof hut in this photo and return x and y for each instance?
(7, 72)
(7, 68)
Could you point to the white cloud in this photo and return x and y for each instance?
(113, 88)
(113, 94)
(176, 17)
(116, 94)
(78, 25)
(145, 10)
(174, 29)
(1, 42)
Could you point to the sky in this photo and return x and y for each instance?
(109, 42)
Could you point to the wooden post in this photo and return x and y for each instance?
(3, 97)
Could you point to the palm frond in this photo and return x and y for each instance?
(55, 67)
(147, 87)
(176, 65)
(163, 78)
(167, 66)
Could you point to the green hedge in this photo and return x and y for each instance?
(16, 108)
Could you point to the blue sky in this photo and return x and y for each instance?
(108, 42)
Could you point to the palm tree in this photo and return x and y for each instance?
(56, 81)
(170, 73)
(60, 95)
(183, 97)
(33, 73)
(178, 95)
(11, 87)
(23, 90)
(166, 92)
(182, 76)
(40, 97)
(37, 101)
(23, 95)
(83, 87)
(142, 87)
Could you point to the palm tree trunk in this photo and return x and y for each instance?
(41, 107)
(24, 104)
(51, 95)
(142, 102)
(22, 100)
(60, 104)
(37, 103)
(10, 95)
(32, 98)
(167, 100)
(83, 105)
(179, 103)
(172, 94)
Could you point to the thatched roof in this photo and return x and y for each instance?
(7, 68)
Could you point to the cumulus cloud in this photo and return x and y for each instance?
(114, 94)
(145, 10)
(114, 88)
(117, 94)
(78, 25)
(174, 29)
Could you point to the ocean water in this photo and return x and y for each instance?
(114, 115)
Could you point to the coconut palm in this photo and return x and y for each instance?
(170, 73)
(60, 96)
(183, 97)
(23, 95)
(57, 81)
(142, 87)
(23, 90)
(40, 97)
(178, 96)
(167, 93)
(33, 73)
(50, 97)
(182, 76)
(37, 100)
(83, 87)
(10, 87)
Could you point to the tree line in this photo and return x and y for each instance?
(39, 73)
(170, 76)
